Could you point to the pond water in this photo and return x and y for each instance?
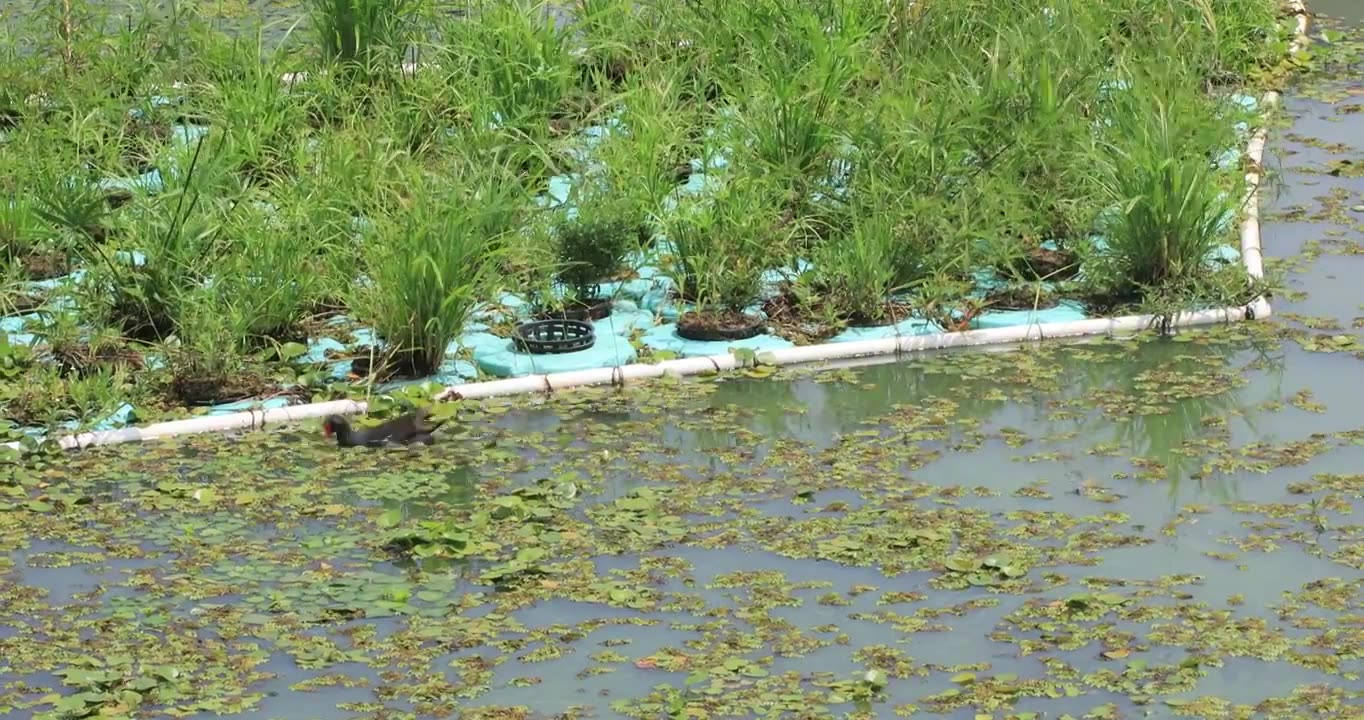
(1346, 10)
(1113, 529)
(1051, 531)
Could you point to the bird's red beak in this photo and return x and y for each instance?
(327, 429)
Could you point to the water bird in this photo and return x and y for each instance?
(414, 427)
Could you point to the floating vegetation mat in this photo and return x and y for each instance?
(225, 220)
(1114, 529)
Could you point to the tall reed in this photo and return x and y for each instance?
(1169, 203)
(365, 34)
(430, 262)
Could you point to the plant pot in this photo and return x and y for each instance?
(384, 367)
(554, 337)
(585, 311)
(723, 325)
(894, 312)
(1020, 298)
(210, 389)
(1043, 264)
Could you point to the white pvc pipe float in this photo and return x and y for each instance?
(1251, 258)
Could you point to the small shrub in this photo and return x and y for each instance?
(518, 60)
(45, 397)
(75, 351)
(591, 248)
(796, 86)
(207, 360)
(179, 234)
(263, 125)
(29, 243)
(274, 269)
(76, 205)
(858, 271)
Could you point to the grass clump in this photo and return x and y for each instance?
(428, 264)
(720, 250)
(858, 272)
(1169, 209)
(368, 36)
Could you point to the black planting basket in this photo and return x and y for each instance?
(552, 337)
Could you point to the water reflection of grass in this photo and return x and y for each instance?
(819, 405)
(1166, 401)
(1171, 415)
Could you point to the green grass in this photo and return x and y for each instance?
(899, 149)
(720, 249)
(430, 261)
(365, 35)
(1154, 168)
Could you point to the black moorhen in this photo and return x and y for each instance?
(404, 430)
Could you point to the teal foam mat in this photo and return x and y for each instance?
(907, 327)
(1065, 311)
(502, 359)
(665, 338)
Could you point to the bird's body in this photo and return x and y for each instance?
(403, 430)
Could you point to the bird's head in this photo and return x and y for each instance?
(330, 425)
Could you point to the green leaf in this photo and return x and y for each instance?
(71, 704)
(961, 564)
(391, 518)
(290, 350)
(965, 678)
(699, 676)
(143, 683)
